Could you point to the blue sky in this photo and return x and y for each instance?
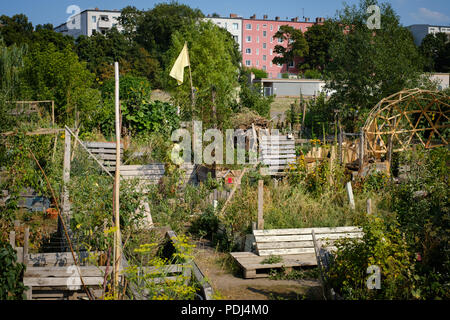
(54, 11)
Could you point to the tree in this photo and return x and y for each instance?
(368, 65)
(215, 68)
(52, 74)
(15, 29)
(155, 28)
(296, 48)
(433, 48)
(129, 19)
(319, 38)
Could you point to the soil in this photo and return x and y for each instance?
(230, 285)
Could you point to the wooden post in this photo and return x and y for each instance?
(361, 150)
(350, 195)
(117, 239)
(260, 204)
(25, 245)
(12, 239)
(341, 160)
(369, 206)
(66, 179)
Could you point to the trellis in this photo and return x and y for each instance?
(408, 117)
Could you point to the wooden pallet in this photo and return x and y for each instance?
(276, 152)
(253, 266)
(295, 247)
(105, 152)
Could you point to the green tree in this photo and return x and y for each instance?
(213, 55)
(250, 96)
(16, 29)
(319, 38)
(433, 48)
(52, 74)
(155, 28)
(368, 65)
(297, 46)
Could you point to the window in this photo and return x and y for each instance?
(264, 33)
(248, 26)
(264, 45)
(248, 63)
(94, 19)
(257, 52)
(291, 64)
(264, 25)
(271, 40)
(271, 64)
(271, 27)
(264, 57)
(280, 40)
(104, 18)
(257, 62)
(257, 39)
(271, 51)
(257, 27)
(249, 39)
(94, 31)
(235, 26)
(248, 51)
(264, 68)
(279, 28)
(226, 25)
(236, 38)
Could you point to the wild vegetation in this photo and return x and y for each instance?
(407, 235)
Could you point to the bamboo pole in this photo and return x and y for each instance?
(117, 183)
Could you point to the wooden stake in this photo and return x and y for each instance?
(350, 195)
(369, 206)
(117, 183)
(260, 204)
(25, 245)
(66, 179)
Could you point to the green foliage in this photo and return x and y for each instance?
(366, 67)
(435, 48)
(259, 73)
(15, 29)
(422, 207)
(213, 56)
(272, 259)
(11, 274)
(312, 74)
(52, 74)
(382, 245)
(156, 27)
(250, 97)
(297, 46)
(319, 38)
(206, 225)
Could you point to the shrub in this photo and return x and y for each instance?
(11, 274)
(312, 74)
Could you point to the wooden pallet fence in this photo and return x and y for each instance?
(105, 152)
(276, 152)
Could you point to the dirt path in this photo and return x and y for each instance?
(234, 287)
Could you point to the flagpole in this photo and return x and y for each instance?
(192, 86)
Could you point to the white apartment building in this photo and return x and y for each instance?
(89, 22)
(233, 25)
(420, 31)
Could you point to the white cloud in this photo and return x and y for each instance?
(424, 15)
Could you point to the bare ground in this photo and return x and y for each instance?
(231, 286)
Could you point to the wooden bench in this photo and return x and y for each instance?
(295, 247)
(148, 174)
(105, 152)
(276, 152)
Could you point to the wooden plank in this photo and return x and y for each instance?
(65, 271)
(276, 161)
(139, 173)
(280, 252)
(103, 150)
(307, 231)
(62, 281)
(285, 245)
(142, 167)
(104, 145)
(286, 238)
(260, 221)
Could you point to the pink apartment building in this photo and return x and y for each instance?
(258, 43)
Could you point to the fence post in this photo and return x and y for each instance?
(369, 206)
(66, 178)
(260, 204)
(25, 245)
(361, 150)
(350, 195)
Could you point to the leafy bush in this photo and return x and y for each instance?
(382, 245)
(312, 74)
(11, 274)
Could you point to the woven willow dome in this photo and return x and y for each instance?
(408, 117)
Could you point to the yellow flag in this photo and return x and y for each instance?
(182, 61)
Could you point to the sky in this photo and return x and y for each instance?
(55, 11)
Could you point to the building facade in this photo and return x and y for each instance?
(257, 41)
(89, 22)
(420, 31)
(233, 25)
